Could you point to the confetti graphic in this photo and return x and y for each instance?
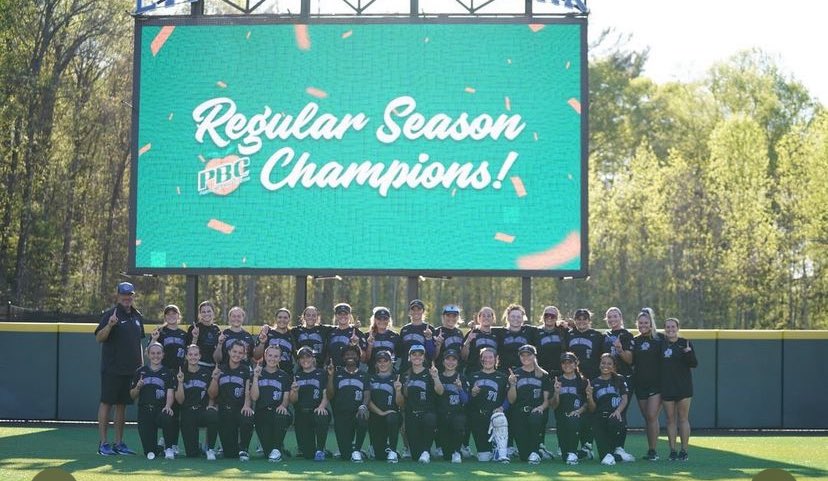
(303, 40)
(220, 226)
(500, 236)
(143, 150)
(520, 189)
(161, 39)
(575, 104)
(315, 92)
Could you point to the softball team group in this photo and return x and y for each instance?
(493, 388)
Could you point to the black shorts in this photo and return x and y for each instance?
(676, 398)
(645, 392)
(115, 388)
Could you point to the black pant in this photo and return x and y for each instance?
(311, 431)
(191, 420)
(479, 424)
(271, 428)
(526, 425)
(419, 427)
(384, 430)
(568, 431)
(235, 430)
(346, 426)
(451, 432)
(150, 419)
(608, 433)
(586, 428)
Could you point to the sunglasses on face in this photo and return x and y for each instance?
(550, 315)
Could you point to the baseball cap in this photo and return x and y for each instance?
(172, 307)
(126, 288)
(384, 355)
(527, 348)
(417, 303)
(451, 308)
(350, 347)
(305, 351)
(381, 312)
(568, 356)
(342, 307)
(584, 313)
(451, 352)
(417, 348)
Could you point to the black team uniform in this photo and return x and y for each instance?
(152, 398)
(420, 418)
(572, 397)
(492, 394)
(311, 429)
(451, 413)
(608, 431)
(588, 346)
(207, 342)
(347, 399)
(384, 429)
(526, 425)
(287, 343)
(235, 429)
(271, 427)
(647, 359)
(194, 412)
(676, 378)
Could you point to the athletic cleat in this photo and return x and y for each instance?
(465, 452)
(534, 458)
(391, 456)
(425, 458)
(319, 456)
(571, 459)
(609, 460)
(211, 455)
(456, 458)
(625, 456)
(545, 453)
(651, 455)
(243, 456)
(275, 456)
(122, 448)
(484, 457)
(169, 454)
(673, 456)
(105, 449)
(405, 453)
(150, 455)
(682, 455)
(356, 457)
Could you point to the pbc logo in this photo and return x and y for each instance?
(223, 176)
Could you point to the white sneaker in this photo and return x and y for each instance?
(211, 455)
(545, 453)
(456, 458)
(534, 458)
(405, 453)
(391, 456)
(356, 457)
(571, 459)
(465, 452)
(484, 457)
(425, 458)
(243, 456)
(169, 454)
(608, 460)
(150, 455)
(625, 456)
(275, 456)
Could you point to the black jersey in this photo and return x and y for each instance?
(231, 336)
(383, 394)
(156, 384)
(550, 345)
(195, 386)
(386, 341)
(607, 393)
(313, 337)
(626, 344)
(175, 347)
(419, 390)
(311, 388)
(412, 334)
(452, 339)
(454, 397)
(273, 388)
(285, 341)
(122, 352)
(588, 346)
(349, 389)
(647, 355)
(530, 388)
(572, 395)
(232, 385)
(676, 378)
(481, 339)
(206, 342)
(510, 342)
(493, 387)
(339, 339)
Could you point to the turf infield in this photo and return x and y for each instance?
(26, 451)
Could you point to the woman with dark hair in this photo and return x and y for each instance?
(647, 354)
(529, 398)
(311, 333)
(677, 386)
(381, 338)
(278, 335)
(607, 398)
(384, 404)
(586, 343)
(618, 343)
(420, 384)
(569, 400)
(349, 394)
(230, 388)
(307, 394)
(344, 334)
(451, 415)
(488, 395)
(205, 333)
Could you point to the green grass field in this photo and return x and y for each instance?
(25, 451)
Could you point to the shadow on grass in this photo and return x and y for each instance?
(26, 451)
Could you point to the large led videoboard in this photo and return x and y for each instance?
(378, 147)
